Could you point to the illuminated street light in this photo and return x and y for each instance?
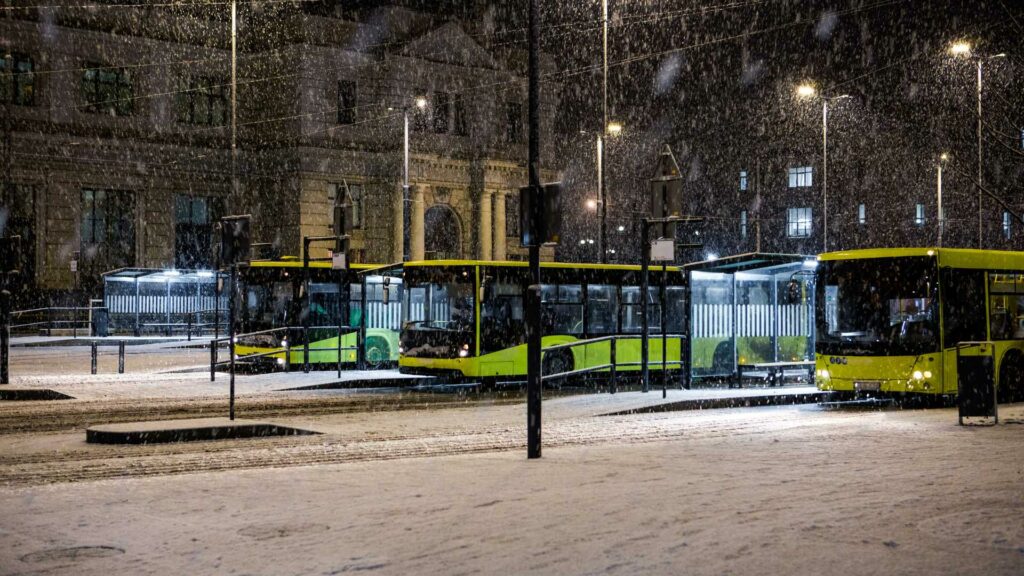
(614, 128)
(960, 49)
(591, 204)
(806, 91)
(421, 102)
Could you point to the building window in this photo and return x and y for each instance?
(862, 214)
(204, 102)
(1006, 225)
(743, 224)
(18, 85)
(193, 230)
(107, 90)
(513, 122)
(798, 222)
(442, 112)
(108, 229)
(1022, 138)
(800, 177)
(346, 102)
(459, 116)
(743, 180)
(919, 214)
(355, 199)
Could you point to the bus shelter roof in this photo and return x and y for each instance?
(756, 262)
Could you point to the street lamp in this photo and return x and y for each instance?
(963, 49)
(591, 204)
(809, 91)
(938, 194)
(420, 103)
(610, 129)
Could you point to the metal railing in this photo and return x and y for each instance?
(191, 325)
(612, 365)
(94, 354)
(55, 317)
(287, 348)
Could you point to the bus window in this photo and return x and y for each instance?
(631, 309)
(964, 306)
(602, 309)
(562, 308)
(502, 322)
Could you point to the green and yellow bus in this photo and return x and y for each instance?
(889, 320)
(271, 298)
(466, 318)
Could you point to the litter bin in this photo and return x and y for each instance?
(100, 322)
(976, 383)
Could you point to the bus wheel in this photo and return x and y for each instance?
(1011, 378)
(557, 363)
(377, 352)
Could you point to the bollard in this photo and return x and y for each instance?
(615, 373)
(188, 329)
(93, 356)
(120, 357)
(213, 360)
(287, 355)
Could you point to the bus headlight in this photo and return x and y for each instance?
(464, 351)
(927, 374)
(823, 374)
(280, 361)
(918, 375)
(401, 349)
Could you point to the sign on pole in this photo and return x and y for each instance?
(663, 250)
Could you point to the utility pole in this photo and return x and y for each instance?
(602, 200)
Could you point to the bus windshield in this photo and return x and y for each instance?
(877, 307)
(439, 310)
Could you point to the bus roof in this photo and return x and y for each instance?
(519, 264)
(297, 263)
(948, 257)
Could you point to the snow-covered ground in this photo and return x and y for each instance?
(785, 490)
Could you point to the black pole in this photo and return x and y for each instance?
(5, 336)
(533, 328)
(664, 334)
(305, 305)
(344, 298)
(361, 335)
(645, 344)
(120, 357)
(92, 357)
(231, 342)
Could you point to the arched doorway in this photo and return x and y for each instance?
(442, 233)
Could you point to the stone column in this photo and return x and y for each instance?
(499, 226)
(416, 238)
(484, 251)
(396, 226)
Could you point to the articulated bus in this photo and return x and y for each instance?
(889, 320)
(466, 318)
(271, 296)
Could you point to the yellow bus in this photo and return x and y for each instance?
(466, 318)
(889, 320)
(271, 302)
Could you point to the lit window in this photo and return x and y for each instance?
(743, 224)
(862, 214)
(1006, 225)
(919, 214)
(798, 222)
(800, 177)
(743, 180)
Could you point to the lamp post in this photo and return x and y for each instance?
(601, 204)
(421, 104)
(938, 195)
(808, 91)
(963, 49)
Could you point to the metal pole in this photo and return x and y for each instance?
(406, 199)
(533, 327)
(92, 357)
(979, 153)
(664, 333)
(615, 373)
(361, 335)
(645, 345)
(601, 196)
(339, 350)
(938, 201)
(234, 99)
(120, 357)
(213, 360)
(824, 170)
(5, 336)
(305, 305)
(231, 343)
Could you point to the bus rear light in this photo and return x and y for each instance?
(918, 375)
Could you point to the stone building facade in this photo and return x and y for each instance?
(118, 124)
